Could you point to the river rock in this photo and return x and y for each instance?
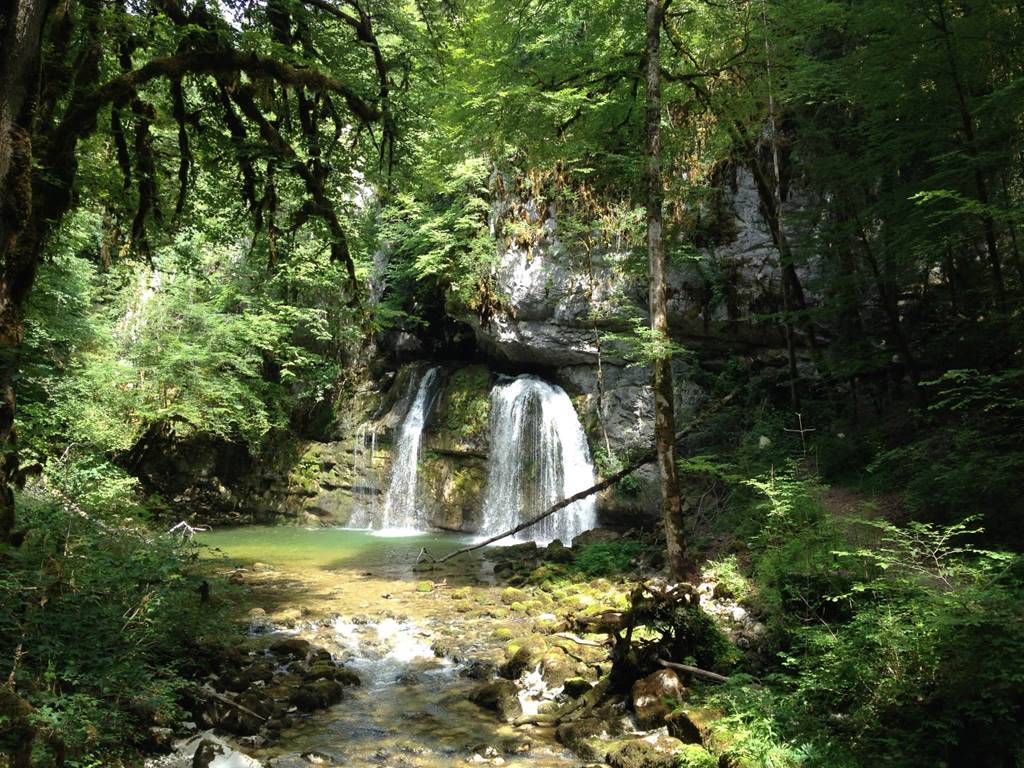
(318, 694)
(557, 552)
(501, 696)
(228, 716)
(477, 669)
(159, 739)
(692, 725)
(525, 658)
(575, 687)
(556, 667)
(596, 536)
(294, 647)
(641, 753)
(328, 670)
(582, 737)
(217, 754)
(652, 697)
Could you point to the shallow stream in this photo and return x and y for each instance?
(357, 594)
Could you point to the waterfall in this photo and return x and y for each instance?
(400, 510)
(539, 455)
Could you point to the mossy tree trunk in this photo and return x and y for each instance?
(664, 410)
(21, 23)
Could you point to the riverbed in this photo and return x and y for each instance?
(421, 641)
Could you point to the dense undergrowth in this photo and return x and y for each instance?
(101, 622)
(895, 629)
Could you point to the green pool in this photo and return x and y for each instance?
(327, 549)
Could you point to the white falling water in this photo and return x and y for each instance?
(539, 456)
(401, 511)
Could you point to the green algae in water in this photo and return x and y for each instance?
(326, 549)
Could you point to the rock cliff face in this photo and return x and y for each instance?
(556, 301)
(558, 313)
(561, 310)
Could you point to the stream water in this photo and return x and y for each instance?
(361, 599)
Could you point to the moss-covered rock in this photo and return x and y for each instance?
(462, 422)
(583, 737)
(511, 595)
(639, 753)
(653, 697)
(453, 489)
(500, 696)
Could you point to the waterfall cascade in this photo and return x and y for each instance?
(539, 455)
(400, 509)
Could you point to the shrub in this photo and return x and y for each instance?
(105, 615)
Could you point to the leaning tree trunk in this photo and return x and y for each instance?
(664, 415)
(21, 22)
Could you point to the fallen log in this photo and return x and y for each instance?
(580, 640)
(695, 671)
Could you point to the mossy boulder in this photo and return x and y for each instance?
(574, 687)
(693, 725)
(330, 671)
(654, 696)
(556, 667)
(293, 647)
(640, 753)
(501, 696)
(583, 737)
(317, 694)
(511, 595)
(557, 552)
(525, 657)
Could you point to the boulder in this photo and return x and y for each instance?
(556, 667)
(575, 687)
(596, 536)
(477, 669)
(581, 737)
(692, 725)
(235, 718)
(328, 670)
(292, 647)
(511, 595)
(653, 697)
(640, 753)
(501, 696)
(557, 552)
(318, 694)
(159, 739)
(526, 658)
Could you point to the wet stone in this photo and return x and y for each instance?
(295, 647)
(501, 696)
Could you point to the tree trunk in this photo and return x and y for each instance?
(22, 24)
(967, 124)
(664, 415)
